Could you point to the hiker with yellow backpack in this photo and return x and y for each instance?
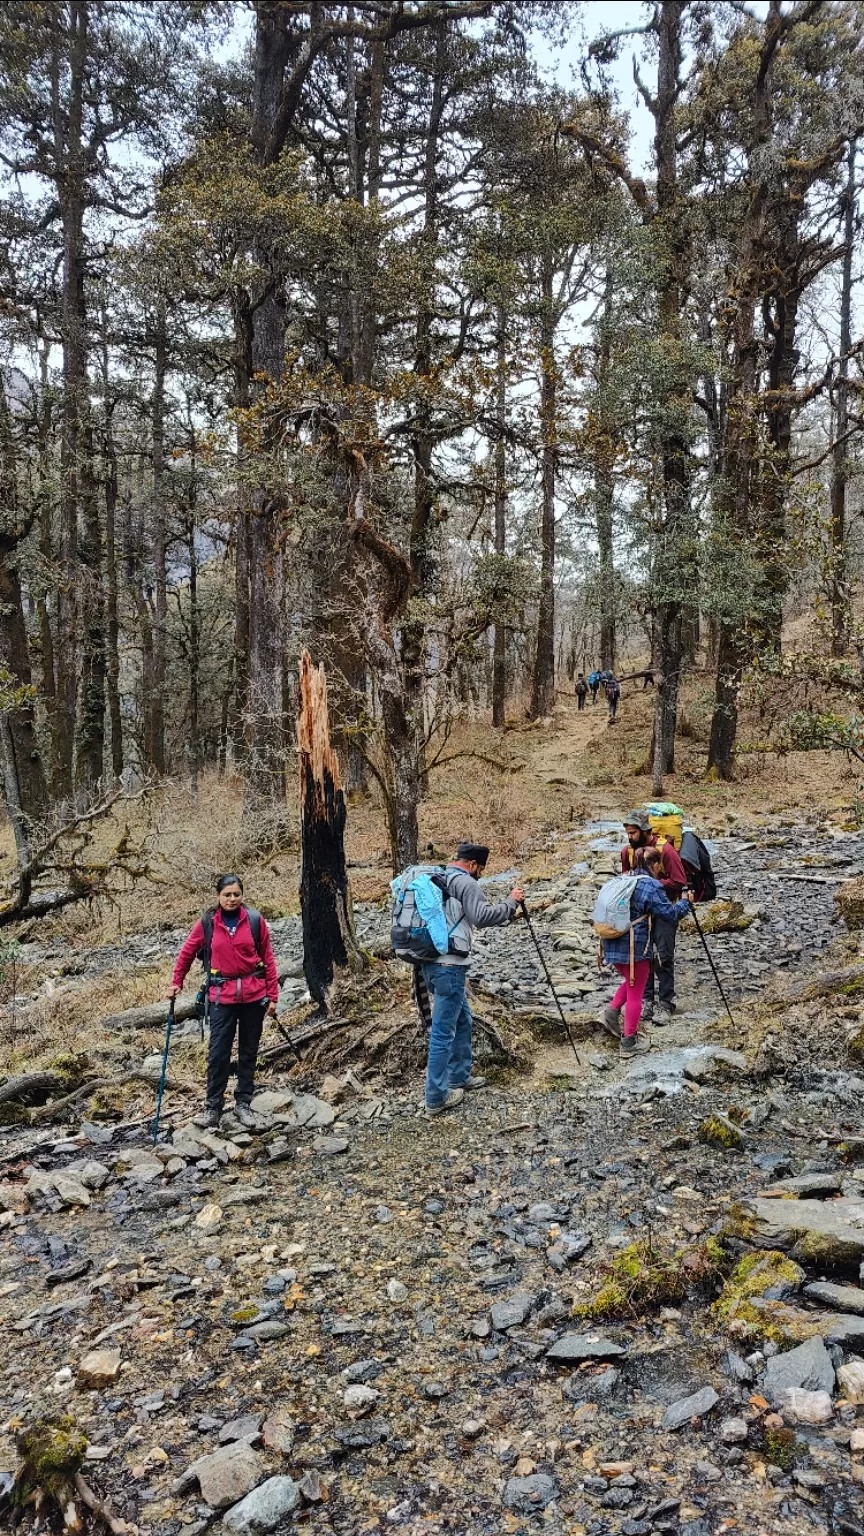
(660, 827)
(628, 909)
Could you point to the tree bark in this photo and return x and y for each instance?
(604, 485)
(156, 701)
(543, 680)
(112, 615)
(71, 185)
(90, 714)
(329, 940)
(193, 743)
(840, 596)
(499, 653)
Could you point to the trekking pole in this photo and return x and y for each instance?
(711, 962)
(549, 978)
(162, 1074)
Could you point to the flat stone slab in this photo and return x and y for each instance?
(835, 1227)
(512, 1312)
(809, 1368)
(526, 1495)
(687, 1408)
(265, 1507)
(813, 1186)
(583, 1346)
(692, 1062)
(840, 1298)
(847, 1331)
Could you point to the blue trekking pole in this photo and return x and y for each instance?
(163, 1073)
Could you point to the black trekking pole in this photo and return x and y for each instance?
(549, 978)
(162, 1074)
(711, 962)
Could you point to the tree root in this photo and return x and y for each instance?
(116, 1527)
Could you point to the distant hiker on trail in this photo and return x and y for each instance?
(613, 696)
(233, 942)
(673, 878)
(594, 685)
(649, 906)
(448, 1071)
(647, 678)
(581, 690)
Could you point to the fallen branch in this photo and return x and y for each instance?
(97, 1508)
(17, 1088)
(152, 1015)
(88, 1089)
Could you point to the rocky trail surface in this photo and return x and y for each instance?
(598, 1300)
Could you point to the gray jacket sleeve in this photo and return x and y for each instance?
(479, 912)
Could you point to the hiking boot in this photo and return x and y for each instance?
(634, 1045)
(243, 1113)
(612, 1021)
(208, 1119)
(454, 1097)
(664, 1013)
(647, 1013)
(476, 1080)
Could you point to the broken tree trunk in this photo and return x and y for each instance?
(329, 940)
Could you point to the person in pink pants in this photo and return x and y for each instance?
(630, 953)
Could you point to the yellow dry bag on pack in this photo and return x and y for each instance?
(667, 822)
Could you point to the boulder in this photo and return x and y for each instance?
(812, 1186)
(848, 1332)
(806, 1407)
(696, 1063)
(829, 1232)
(850, 1380)
(809, 1367)
(265, 1507)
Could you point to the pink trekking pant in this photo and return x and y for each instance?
(630, 997)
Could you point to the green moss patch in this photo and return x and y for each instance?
(756, 1273)
(640, 1279)
(719, 1132)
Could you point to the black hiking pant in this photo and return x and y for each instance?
(247, 1020)
(580, 701)
(663, 935)
(594, 692)
(613, 707)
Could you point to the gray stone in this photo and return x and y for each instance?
(831, 1231)
(582, 1388)
(848, 1332)
(694, 1062)
(278, 1431)
(525, 1495)
(841, 1298)
(330, 1146)
(806, 1407)
(247, 1427)
(224, 1476)
(583, 1346)
(264, 1332)
(362, 1370)
(807, 1185)
(733, 1431)
(264, 1507)
(808, 1366)
(567, 1248)
(687, 1408)
(512, 1312)
(543, 1213)
(271, 1102)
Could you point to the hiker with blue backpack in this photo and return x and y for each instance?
(435, 912)
(627, 906)
(241, 986)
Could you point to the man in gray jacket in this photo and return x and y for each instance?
(448, 1070)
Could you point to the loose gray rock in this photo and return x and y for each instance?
(247, 1427)
(808, 1366)
(813, 1186)
(582, 1388)
(264, 1507)
(543, 1213)
(848, 1332)
(733, 1431)
(687, 1408)
(224, 1476)
(583, 1346)
(512, 1312)
(842, 1298)
(525, 1495)
(832, 1229)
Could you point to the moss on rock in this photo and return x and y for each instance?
(716, 1131)
(758, 1272)
(639, 1279)
(51, 1451)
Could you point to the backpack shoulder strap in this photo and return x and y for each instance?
(255, 924)
(207, 925)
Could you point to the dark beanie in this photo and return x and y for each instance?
(468, 851)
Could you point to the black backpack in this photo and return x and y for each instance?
(695, 856)
(207, 924)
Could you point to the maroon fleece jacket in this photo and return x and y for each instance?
(236, 957)
(674, 877)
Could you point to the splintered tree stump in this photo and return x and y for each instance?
(329, 940)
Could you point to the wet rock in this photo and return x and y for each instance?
(687, 1408)
(805, 1407)
(808, 1367)
(840, 1298)
(573, 1347)
(99, 1368)
(68, 1272)
(224, 1476)
(513, 1312)
(567, 1248)
(527, 1495)
(695, 1063)
(364, 1435)
(265, 1507)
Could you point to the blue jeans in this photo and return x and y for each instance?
(449, 1064)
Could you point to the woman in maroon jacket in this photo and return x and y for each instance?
(244, 986)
